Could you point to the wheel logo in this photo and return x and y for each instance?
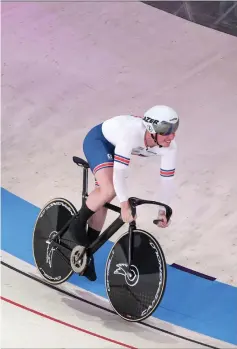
(131, 275)
(50, 249)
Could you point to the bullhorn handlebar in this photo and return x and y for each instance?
(134, 202)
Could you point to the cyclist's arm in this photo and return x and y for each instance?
(167, 175)
(122, 157)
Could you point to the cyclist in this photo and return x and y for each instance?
(108, 148)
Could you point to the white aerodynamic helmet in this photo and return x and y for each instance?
(161, 119)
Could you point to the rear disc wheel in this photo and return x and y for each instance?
(53, 261)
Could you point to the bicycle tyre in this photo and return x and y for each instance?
(53, 263)
(134, 298)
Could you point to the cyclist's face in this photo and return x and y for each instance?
(165, 140)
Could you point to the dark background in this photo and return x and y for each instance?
(218, 15)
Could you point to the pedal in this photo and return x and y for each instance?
(78, 262)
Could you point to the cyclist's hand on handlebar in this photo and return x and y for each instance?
(162, 220)
(126, 212)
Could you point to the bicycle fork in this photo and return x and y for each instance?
(132, 227)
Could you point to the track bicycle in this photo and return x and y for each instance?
(135, 271)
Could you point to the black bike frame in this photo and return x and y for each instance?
(115, 225)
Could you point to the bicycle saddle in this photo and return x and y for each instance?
(80, 162)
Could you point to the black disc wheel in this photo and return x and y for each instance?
(135, 292)
(53, 260)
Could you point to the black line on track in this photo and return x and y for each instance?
(102, 308)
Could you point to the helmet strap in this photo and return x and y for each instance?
(155, 139)
(145, 141)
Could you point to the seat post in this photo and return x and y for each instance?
(85, 185)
